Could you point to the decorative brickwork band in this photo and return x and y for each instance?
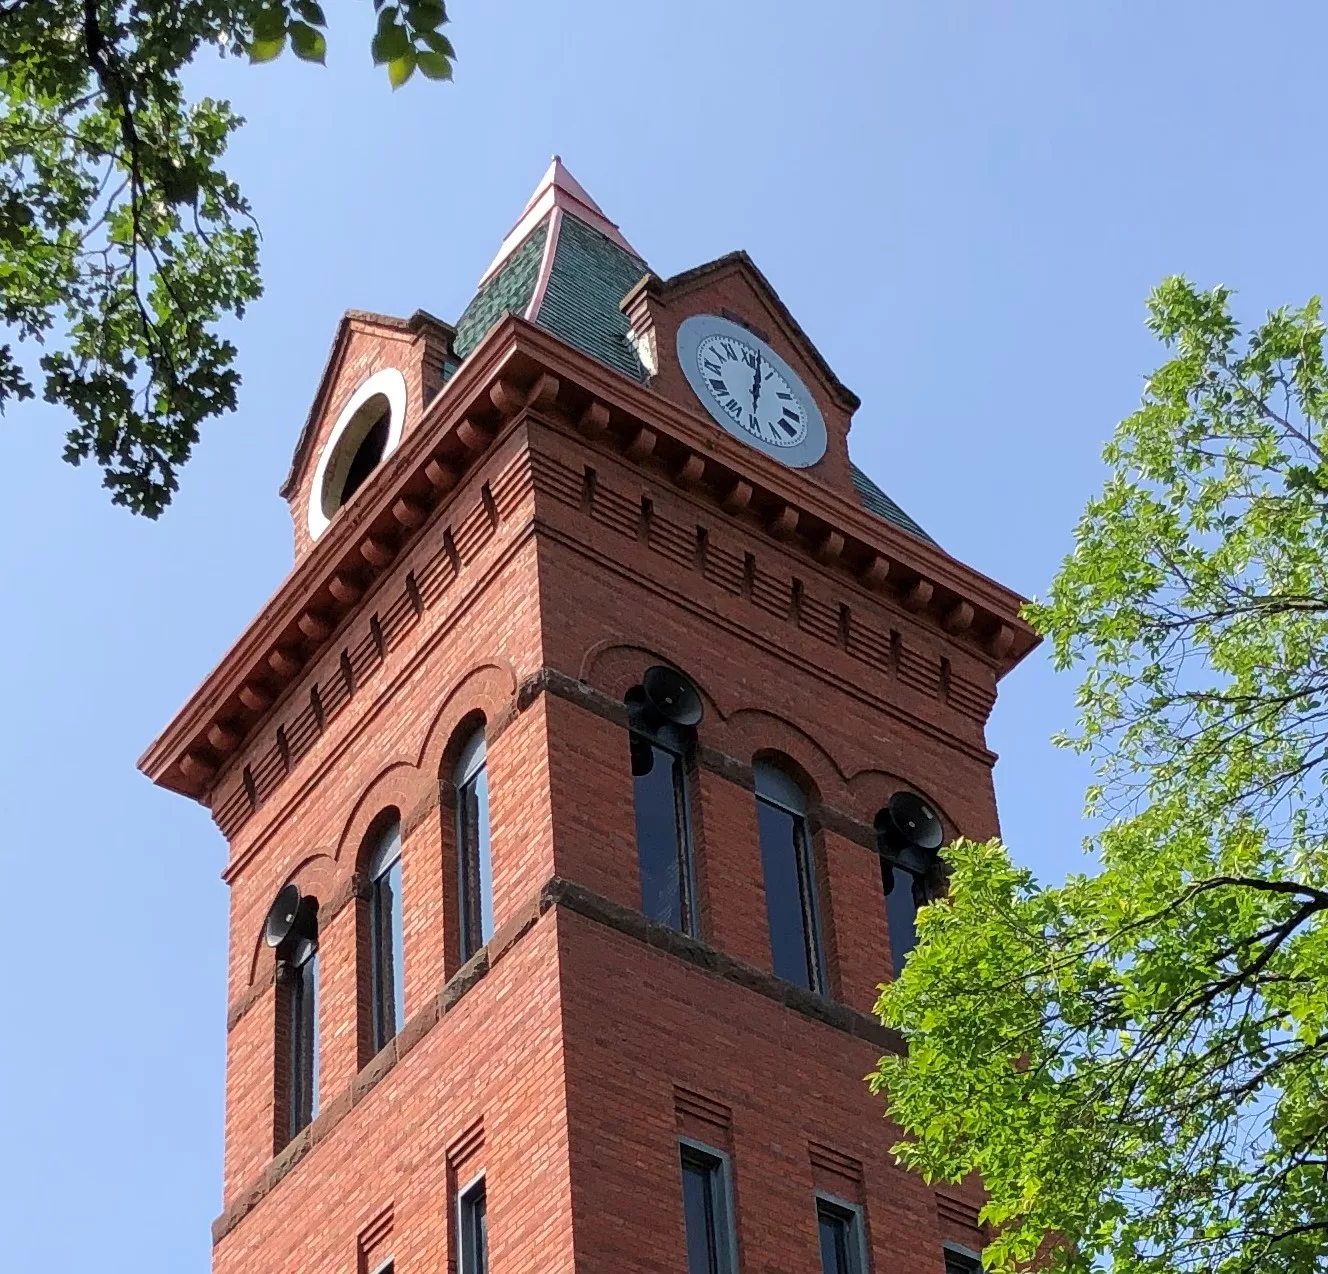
(835, 1173)
(702, 1118)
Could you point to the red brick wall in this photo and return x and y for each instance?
(496, 1060)
(639, 1025)
(580, 1031)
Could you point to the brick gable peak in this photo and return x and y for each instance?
(420, 324)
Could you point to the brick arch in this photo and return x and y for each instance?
(486, 690)
(399, 784)
(315, 874)
(750, 731)
(872, 789)
(616, 664)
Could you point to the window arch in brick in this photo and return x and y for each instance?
(789, 872)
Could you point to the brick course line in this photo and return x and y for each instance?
(556, 892)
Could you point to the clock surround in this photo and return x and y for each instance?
(729, 368)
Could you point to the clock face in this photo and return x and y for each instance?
(750, 390)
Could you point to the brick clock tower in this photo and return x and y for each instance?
(580, 783)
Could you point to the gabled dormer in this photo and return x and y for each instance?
(380, 375)
(682, 328)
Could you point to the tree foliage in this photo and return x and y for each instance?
(1136, 1062)
(123, 243)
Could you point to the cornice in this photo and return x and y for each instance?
(699, 457)
(519, 366)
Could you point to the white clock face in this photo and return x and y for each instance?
(752, 392)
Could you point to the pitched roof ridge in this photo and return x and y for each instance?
(546, 266)
(556, 189)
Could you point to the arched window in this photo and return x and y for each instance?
(790, 884)
(386, 957)
(475, 867)
(908, 834)
(661, 754)
(297, 1021)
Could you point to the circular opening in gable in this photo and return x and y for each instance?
(357, 453)
(365, 434)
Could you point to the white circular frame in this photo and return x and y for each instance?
(388, 383)
(692, 331)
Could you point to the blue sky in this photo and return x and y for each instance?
(964, 203)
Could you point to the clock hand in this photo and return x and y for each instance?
(756, 382)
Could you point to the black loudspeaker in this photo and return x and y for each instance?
(282, 915)
(672, 696)
(911, 828)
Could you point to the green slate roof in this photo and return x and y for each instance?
(589, 277)
(507, 292)
(876, 501)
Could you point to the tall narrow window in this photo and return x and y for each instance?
(790, 886)
(840, 1228)
(473, 1223)
(904, 894)
(386, 967)
(661, 751)
(475, 867)
(908, 835)
(301, 974)
(705, 1204)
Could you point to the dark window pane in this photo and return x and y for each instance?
(474, 1232)
(839, 1242)
(385, 925)
(366, 457)
(958, 1263)
(901, 911)
(476, 865)
(304, 1043)
(662, 846)
(705, 1213)
(789, 895)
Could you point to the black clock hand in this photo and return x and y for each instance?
(756, 383)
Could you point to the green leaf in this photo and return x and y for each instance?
(434, 66)
(311, 11)
(400, 69)
(308, 44)
(269, 23)
(387, 18)
(266, 50)
(425, 15)
(390, 43)
(438, 42)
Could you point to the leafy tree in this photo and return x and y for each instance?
(122, 241)
(1136, 1062)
